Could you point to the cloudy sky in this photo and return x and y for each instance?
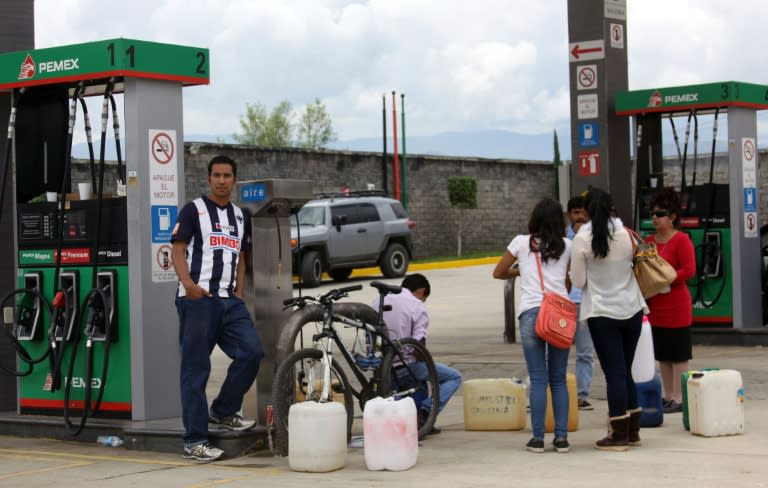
(463, 65)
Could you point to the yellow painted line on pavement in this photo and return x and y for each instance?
(413, 267)
(35, 454)
(28, 472)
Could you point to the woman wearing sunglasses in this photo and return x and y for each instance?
(671, 311)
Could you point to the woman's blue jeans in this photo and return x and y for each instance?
(546, 365)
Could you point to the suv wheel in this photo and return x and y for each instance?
(311, 269)
(394, 261)
(340, 274)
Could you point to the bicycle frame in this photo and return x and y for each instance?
(369, 388)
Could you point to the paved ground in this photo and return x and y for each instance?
(468, 321)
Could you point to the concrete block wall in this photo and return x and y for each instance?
(507, 189)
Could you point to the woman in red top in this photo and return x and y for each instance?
(671, 311)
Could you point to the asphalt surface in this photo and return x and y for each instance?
(466, 333)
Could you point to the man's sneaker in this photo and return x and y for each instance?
(202, 452)
(561, 445)
(535, 445)
(585, 405)
(232, 422)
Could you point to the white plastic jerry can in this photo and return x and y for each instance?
(716, 403)
(391, 434)
(317, 437)
(644, 364)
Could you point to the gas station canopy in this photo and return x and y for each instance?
(693, 97)
(93, 62)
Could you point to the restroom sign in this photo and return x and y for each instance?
(589, 163)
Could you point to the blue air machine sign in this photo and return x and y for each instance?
(253, 192)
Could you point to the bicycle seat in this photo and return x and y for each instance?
(385, 288)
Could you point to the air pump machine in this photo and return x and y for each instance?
(720, 210)
(111, 248)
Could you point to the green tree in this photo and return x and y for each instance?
(272, 130)
(556, 162)
(315, 128)
(462, 194)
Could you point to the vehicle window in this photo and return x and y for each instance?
(310, 216)
(397, 208)
(351, 212)
(368, 213)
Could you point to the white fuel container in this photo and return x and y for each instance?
(644, 364)
(317, 437)
(716, 403)
(390, 433)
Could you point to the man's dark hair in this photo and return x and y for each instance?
(221, 159)
(415, 281)
(576, 202)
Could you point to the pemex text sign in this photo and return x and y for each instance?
(104, 59)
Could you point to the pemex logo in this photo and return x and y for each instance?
(655, 99)
(27, 68)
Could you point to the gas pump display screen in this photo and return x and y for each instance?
(42, 225)
(38, 224)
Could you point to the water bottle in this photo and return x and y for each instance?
(109, 440)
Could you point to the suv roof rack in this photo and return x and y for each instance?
(351, 194)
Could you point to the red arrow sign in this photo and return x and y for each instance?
(576, 52)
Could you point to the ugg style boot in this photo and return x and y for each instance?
(618, 434)
(634, 427)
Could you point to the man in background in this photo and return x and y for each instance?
(582, 341)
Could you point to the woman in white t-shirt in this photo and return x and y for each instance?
(546, 364)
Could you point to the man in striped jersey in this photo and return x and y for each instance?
(210, 235)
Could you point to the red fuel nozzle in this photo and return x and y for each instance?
(60, 300)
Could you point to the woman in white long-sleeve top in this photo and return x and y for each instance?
(613, 306)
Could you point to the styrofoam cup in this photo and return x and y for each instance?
(85, 190)
(51, 196)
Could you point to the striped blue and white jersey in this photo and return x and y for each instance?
(215, 236)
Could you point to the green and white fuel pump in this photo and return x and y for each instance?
(100, 266)
(721, 212)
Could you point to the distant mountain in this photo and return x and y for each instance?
(481, 144)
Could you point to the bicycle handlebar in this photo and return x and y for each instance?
(333, 295)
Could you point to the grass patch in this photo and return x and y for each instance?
(471, 255)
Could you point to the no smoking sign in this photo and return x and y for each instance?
(162, 148)
(586, 77)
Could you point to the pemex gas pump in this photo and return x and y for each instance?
(90, 315)
(720, 199)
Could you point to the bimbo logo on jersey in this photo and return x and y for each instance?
(220, 241)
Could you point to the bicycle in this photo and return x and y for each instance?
(380, 366)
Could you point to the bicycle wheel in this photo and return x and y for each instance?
(396, 380)
(300, 378)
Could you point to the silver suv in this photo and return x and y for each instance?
(344, 231)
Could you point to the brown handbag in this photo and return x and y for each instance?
(653, 273)
(556, 322)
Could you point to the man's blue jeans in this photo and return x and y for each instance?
(582, 344)
(546, 365)
(448, 378)
(205, 323)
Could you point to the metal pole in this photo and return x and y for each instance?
(384, 184)
(396, 170)
(404, 169)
